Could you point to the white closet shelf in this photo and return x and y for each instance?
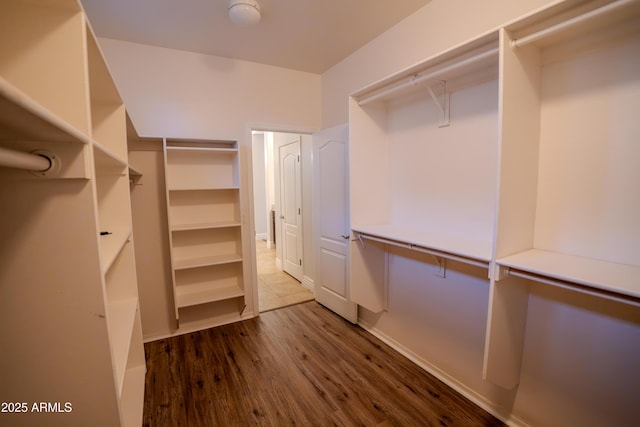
(622, 279)
(22, 117)
(121, 317)
(201, 293)
(205, 225)
(182, 264)
(111, 245)
(458, 248)
(203, 188)
(611, 19)
(204, 149)
(133, 394)
(470, 63)
(106, 160)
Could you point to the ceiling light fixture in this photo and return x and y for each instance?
(244, 12)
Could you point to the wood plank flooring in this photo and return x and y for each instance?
(297, 366)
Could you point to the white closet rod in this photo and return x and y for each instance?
(20, 160)
(418, 248)
(531, 38)
(576, 287)
(418, 78)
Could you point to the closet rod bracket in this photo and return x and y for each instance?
(441, 100)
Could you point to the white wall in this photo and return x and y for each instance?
(173, 93)
(260, 210)
(436, 27)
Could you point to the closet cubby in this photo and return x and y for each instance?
(200, 166)
(108, 115)
(195, 209)
(205, 228)
(38, 36)
(567, 208)
(114, 216)
(422, 160)
(195, 248)
(57, 96)
(211, 283)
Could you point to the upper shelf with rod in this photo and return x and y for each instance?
(472, 63)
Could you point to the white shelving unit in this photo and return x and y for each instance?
(68, 291)
(568, 209)
(529, 168)
(205, 228)
(404, 133)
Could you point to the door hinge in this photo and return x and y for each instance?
(300, 261)
(299, 212)
(298, 158)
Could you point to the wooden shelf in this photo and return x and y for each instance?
(181, 264)
(204, 149)
(121, 318)
(203, 188)
(458, 246)
(622, 279)
(32, 39)
(203, 293)
(204, 225)
(21, 117)
(468, 64)
(106, 161)
(111, 245)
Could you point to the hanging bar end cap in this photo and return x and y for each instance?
(55, 164)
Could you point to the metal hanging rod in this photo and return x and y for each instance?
(435, 74)
(531, 38)
(621, 298)
(418, 248)
(41, 162)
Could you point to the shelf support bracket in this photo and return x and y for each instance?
(442, 266)
(441, 99)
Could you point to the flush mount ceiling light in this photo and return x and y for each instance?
(244, 12)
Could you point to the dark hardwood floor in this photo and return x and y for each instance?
(301, 365)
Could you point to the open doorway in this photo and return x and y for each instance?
(279, 219)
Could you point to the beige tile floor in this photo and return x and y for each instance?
(276, 289)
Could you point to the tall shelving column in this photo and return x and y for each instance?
(68, 296)
(205, 228)
(568, 200)
(111, 168)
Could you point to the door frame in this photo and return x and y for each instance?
(251, 276)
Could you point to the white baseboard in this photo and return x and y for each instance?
(262, 236)
(278, 263)
(307, 282)
(452, 382)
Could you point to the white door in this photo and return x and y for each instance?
(331, 221)
(291, 209)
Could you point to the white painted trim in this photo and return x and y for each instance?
(468, 393)
(278, 263)
(262, 236)
(307, 282)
